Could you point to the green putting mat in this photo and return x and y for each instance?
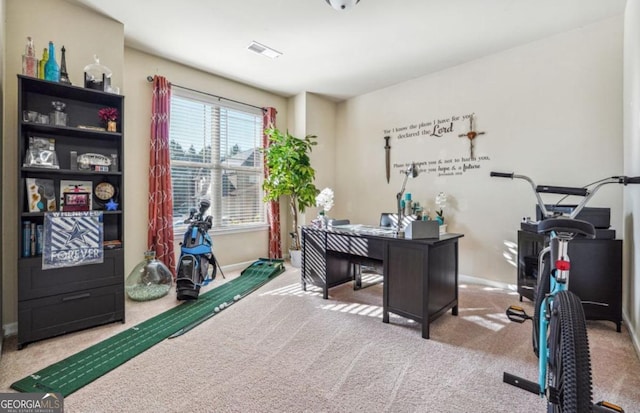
(82, 368)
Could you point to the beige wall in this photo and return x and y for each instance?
(320, 121)
(631, 99)
(311, 114)
(551, 110)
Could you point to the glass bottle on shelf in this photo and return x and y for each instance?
(29, 60)
(58, 117)
(64, 76)
(97, 76)
(42, 62)
(51, 68)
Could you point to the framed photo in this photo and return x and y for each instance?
(76, 201)
(68, 187)
(41, 196)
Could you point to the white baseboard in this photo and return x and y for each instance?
(238, 266)
(462, 278)
(635, 336)
(10, 329)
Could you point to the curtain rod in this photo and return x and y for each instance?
(150, 79)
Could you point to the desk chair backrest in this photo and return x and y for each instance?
(390, 219)
(385, 220)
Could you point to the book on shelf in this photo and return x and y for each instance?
(31, 239)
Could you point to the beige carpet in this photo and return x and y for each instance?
(285, 350)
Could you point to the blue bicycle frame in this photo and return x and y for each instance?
(554, 288)
(561, 230)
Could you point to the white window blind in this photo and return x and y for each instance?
(215, 155)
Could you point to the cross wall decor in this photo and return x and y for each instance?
(471, 135)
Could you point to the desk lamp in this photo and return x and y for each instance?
(413, 171)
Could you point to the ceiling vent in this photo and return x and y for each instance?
(263, 50)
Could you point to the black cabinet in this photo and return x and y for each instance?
(64, 299)
(596, 273)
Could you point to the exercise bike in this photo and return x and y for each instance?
(559, 327)
(196, 255)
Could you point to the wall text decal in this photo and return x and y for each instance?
(445, 167)
(439, 128)
(436, 128)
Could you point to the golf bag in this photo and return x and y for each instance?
(195, 255)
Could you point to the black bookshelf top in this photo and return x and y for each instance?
(45, 87)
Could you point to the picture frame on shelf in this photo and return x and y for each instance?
(41, 195)
(76, 201)
(77, 187)
(41, 153)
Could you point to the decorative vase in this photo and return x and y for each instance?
(150, 279)
(29, 61)
(97, 76)
(51, 68)
(111, 126)
(58, 117)
(42, 63)
(296, 258)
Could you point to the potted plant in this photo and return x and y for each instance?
(109, 116)
(290, 173)
(441, 203)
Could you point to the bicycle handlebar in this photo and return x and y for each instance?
(629, 179)
(563, 190)
(583, 192)
(501, 175)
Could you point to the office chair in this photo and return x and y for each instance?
(334, 222)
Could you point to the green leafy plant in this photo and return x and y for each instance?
(290, 174)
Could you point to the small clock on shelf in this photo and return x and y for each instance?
(105, 193)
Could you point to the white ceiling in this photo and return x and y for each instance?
(340, 54)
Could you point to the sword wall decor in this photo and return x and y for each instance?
(387, 150)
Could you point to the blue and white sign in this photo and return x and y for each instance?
(72, 239)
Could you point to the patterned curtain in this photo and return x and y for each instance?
(273, 207)
(160, 235)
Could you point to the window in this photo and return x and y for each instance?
(215, 155)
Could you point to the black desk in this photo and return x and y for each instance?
(420, 276)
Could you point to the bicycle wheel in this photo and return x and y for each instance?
(542, 289)
(569, 365)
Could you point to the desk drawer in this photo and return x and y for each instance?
(339, 243)
(51, 316)
(362, 247)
